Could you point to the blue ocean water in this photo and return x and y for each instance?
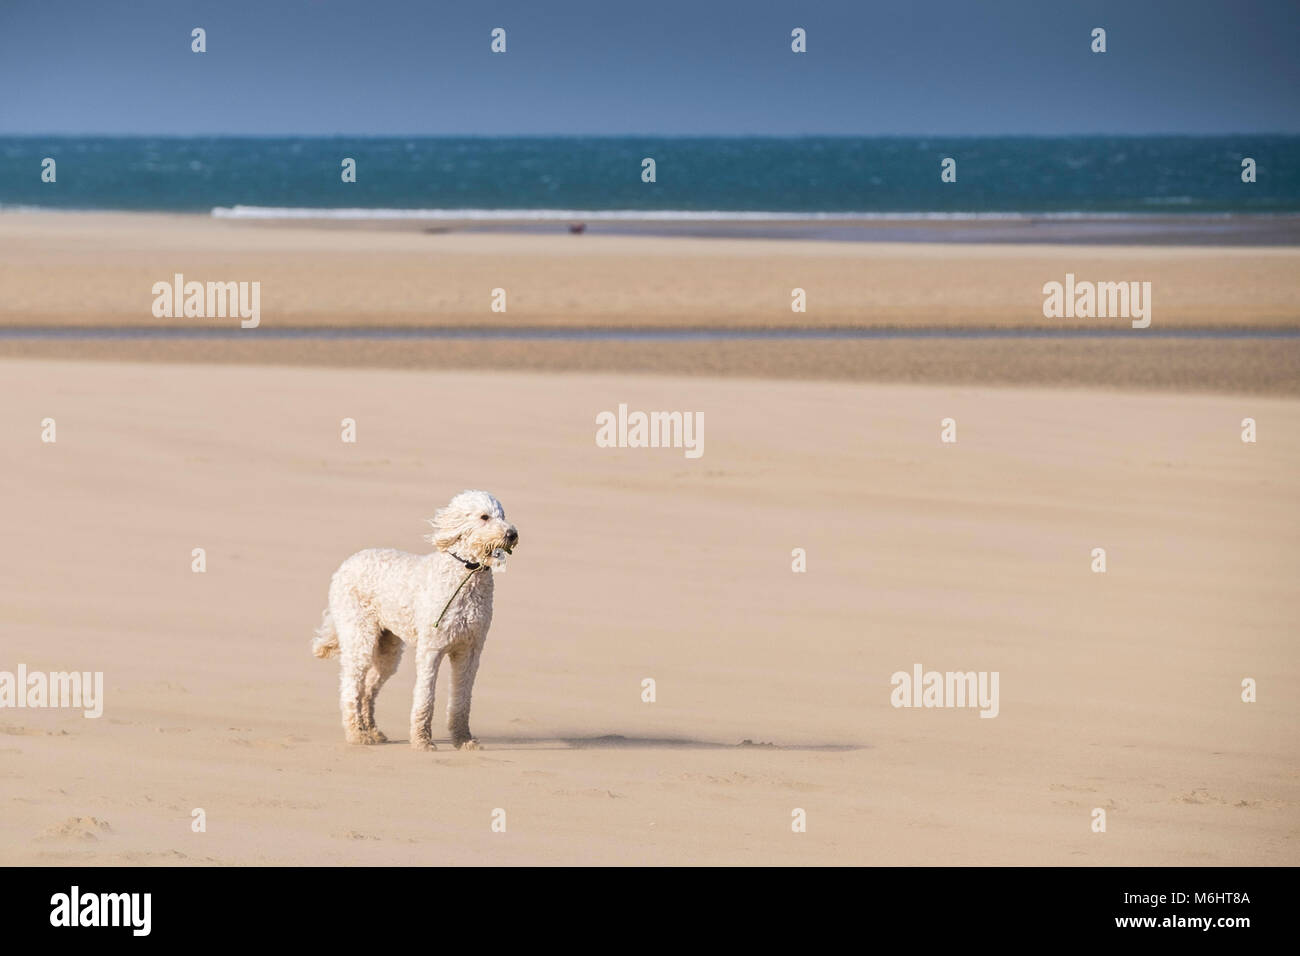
(696, 177)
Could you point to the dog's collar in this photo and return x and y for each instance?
(471, 565)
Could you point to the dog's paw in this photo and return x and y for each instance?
(471, 744)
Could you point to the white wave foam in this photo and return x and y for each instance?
(645, 215)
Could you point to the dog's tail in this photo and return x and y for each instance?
(326, 643)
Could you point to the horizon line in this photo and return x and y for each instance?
(651, 135)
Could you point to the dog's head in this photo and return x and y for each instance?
(474, 527)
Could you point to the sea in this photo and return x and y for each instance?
(696, 179)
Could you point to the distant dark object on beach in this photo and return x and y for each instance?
(577, 228)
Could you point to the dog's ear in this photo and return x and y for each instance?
(445, 534)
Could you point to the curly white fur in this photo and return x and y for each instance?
(381, 599)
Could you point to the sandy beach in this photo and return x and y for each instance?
(96, 270)
(1119, 691)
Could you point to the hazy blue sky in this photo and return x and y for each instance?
(656, 66)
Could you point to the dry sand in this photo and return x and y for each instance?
(1260, 367)
(98, 269)
(1119, 691)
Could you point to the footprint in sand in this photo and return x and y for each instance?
(84, 829)
(155, 856)
(17, 730)
(588, 792)
(353, 835)
(1203, 796)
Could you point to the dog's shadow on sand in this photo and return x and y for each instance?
(620, 742)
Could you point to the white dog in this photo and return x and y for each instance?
(381, 599)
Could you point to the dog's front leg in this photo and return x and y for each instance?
(464, 667)
(427, 659)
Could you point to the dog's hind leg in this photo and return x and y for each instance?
(388, 655)
(358, 638)
(427, 660)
